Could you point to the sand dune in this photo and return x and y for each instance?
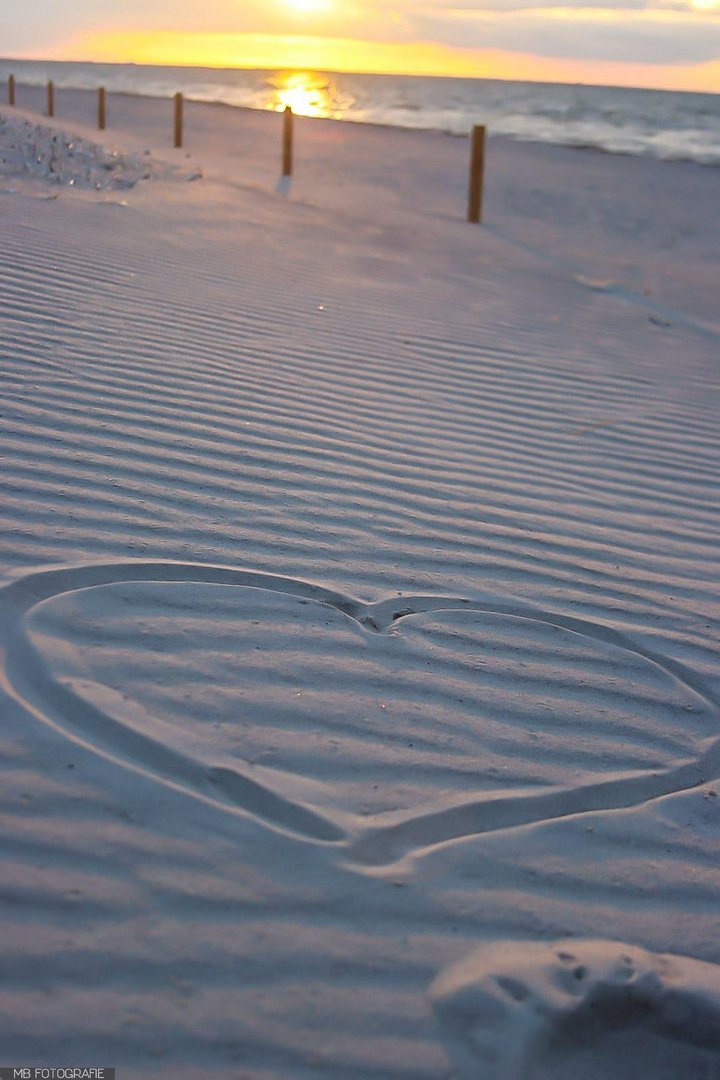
(359, 609)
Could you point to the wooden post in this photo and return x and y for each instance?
(51, 98)
(287, 166)
(477, 170)
(178, 120)
(101, 108)
(11, 90)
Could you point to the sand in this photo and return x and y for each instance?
(359, 610)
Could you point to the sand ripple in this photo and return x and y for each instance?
(445, 719)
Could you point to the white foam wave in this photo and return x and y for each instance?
(654, 123)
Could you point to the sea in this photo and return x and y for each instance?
(656, 123)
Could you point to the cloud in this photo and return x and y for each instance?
(37, 22)
(644, 36)
(469, 8)
(638, 32)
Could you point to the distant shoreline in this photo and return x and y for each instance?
(668, 125)
(335, 71)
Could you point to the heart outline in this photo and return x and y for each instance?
(394, 835)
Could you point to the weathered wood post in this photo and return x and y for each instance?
(178, 120)
(11, 90)
(51, 98)
(101, 108)
(287, 166)
(477, 171)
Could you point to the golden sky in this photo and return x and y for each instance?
(658, 43)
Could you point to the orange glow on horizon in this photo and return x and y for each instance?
(266, 51)
(275, 51)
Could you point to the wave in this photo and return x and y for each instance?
(656, 123)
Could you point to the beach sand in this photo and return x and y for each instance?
(360, 604)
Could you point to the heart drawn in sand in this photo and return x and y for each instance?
(386, 727)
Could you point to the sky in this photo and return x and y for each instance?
(673, 44)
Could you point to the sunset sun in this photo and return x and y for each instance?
(307, 7)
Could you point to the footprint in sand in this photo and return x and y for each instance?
(385, 728)
(591, 1009)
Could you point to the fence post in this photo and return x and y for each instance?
(11, 90)
(101, 108)
(51, 98)
(287, 166)
(477, 170)
(178, 120)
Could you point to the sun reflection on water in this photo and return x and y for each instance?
(308, 93)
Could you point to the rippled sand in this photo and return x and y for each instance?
(359, 607)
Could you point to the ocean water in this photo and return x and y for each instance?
(656, 123)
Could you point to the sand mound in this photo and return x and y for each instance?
(37, 152)
(525, 1011)
(33, 150)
